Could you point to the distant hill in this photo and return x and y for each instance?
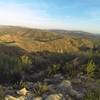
(33, 40)
(36, 34)
(78, 34)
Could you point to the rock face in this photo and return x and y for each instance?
(55, 97)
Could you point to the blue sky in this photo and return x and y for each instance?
(52, 14)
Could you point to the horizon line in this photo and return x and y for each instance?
(40, 28)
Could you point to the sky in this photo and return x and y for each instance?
(52, 14)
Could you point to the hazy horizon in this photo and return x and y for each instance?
(52, 14)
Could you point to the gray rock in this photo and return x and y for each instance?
(76, 94)
(58, 76)
(64, 87)
(76, 81)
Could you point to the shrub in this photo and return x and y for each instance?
(69, 69)
(92, 95)
(26, 62)
(11, 67)
(40, 89)
(22, 85)
(54, 69)
(91, 68)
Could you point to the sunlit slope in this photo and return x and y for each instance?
(64, 44)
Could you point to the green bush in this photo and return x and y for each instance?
(11, 67)
(92, 95)
(91, 68)
(26, 62)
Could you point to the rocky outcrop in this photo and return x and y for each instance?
(59, 89)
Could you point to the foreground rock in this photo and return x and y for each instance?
(62, 90)
(22, 92)
(14, 98)
(65, 87)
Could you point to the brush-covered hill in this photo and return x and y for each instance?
(49, 62)
(33, 40)
(35, 34)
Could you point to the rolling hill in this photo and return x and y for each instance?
(33, 40)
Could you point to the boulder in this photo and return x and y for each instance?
(76, 94)
(64, 87)
(22, 92)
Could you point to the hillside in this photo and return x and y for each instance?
(35, 34)
(42, 40)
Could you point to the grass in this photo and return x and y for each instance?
(92, 95)
(40, 89)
